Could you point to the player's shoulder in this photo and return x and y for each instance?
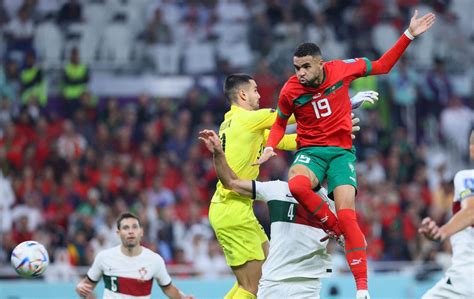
(151, 255)
(464, 184)
(464, 178)
(292, 89)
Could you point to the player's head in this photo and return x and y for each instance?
(241, 89)
(129, 229)
(308, 63)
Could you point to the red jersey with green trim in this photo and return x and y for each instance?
(323, 113)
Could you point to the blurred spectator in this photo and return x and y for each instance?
(157, 31)
(456, 123)
(71, 145)
(70, 12)
(7, 199)
(75, 78)
(19, 33)
(9, 81)
(403, 87)
(437, 89)
(33, 85)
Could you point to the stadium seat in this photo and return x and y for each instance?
(49, 44)
(238, 55)
(166, 58)
(199, 58)
(117, 44)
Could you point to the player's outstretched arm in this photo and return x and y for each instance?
(85, 287)
(174, 293)
(462, 219)
(226, 175)
(417, 26)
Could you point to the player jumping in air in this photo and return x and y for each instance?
(317, 95)
(243, 133)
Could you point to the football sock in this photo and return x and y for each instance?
(243, 294)
(232, 291)
(300, 187)
(355, 246)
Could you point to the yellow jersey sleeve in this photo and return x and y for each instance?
(261, 119)
(287, 143)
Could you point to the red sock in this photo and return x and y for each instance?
(355, 247)
(300, 187)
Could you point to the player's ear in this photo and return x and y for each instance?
(242, 94)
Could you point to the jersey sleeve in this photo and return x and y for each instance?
(265, 191)
(285, 107)
(96, 270)
(161, 274)
(353, 68)
(259, 120)
(287, 143)
(463, 185)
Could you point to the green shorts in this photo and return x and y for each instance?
(338, 164)
(238, 231)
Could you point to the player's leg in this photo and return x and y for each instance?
(342, 183)
(243, 241)
(304, 175)
(248, 275)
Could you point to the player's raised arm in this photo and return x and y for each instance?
(225, 174)
(417, 26)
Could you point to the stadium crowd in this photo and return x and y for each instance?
(66, 173)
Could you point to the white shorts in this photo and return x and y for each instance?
(452, 287)
(301, 289)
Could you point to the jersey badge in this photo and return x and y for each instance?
(142, 271)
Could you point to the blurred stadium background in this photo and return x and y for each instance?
(100, 102)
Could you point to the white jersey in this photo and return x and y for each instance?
(295, 249)
(128, 277)
(463, 241)
(458, 282)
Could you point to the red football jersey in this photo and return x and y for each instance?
(323, 113)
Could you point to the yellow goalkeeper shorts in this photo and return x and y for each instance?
(238, 231)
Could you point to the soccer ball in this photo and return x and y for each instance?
(30, 259)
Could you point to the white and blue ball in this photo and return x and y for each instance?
(30, 259)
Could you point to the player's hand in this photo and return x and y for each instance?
(84, 289)
(364, 96)
(211, 140)
(267, 154)
(431, 230)
(355, 127)
(420, 25)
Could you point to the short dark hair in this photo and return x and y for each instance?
(127, 215)
(307, 49)
(232, 82)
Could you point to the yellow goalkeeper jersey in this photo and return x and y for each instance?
(243, 135)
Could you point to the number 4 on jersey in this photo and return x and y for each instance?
(291, 213)
(321, 108)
